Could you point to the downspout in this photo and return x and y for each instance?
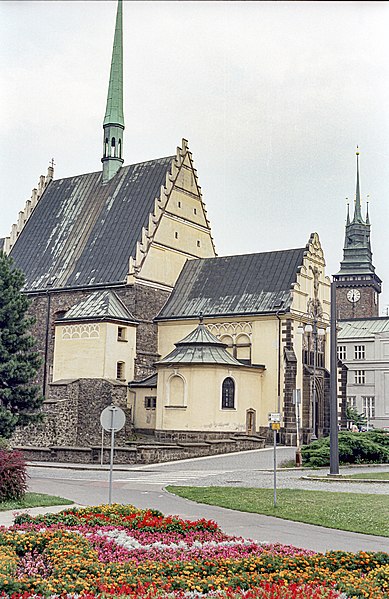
(279, 363)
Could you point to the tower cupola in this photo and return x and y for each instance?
(114, 119)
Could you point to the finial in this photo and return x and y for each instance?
(357, 152)
(52, 163)
(201, 318)
(357, 209)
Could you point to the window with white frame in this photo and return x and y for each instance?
(368, 406)
(352, 402)
(359, 352)
(228, 394)
(150, 402)
(359, 377)
(122, 334)
(341, 352)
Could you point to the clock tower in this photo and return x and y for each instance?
(357, 285)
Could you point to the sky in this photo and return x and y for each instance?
(273, 97)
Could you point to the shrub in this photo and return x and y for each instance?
(13, 475)
(354, 448)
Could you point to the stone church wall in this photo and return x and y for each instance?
(71, 415)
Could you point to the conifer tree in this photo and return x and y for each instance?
(20, 399)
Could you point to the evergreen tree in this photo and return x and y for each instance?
(20, 400)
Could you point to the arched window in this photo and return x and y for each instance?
(120, 148)
(120, 371)
(106, 146)
(113, 147)
(243, 349)
(177, 391)
(228, 394)
(229, 342)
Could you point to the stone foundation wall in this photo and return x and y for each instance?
(71, 415)
(139, 454)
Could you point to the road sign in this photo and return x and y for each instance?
(112, 418)
(274, 417)
(275, 426)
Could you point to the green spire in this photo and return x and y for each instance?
(114, 119)
(357, 212)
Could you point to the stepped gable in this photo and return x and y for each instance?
(83, 232)
(234, 285)
(101, 305)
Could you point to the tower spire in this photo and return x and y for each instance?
(113, 124)
(357, 211)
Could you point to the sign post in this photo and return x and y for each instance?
(275, 423)
(112, 419)
(297, 404)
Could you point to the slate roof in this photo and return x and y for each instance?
(82, 232)
(100, 305)
(149, 381)
(200, 347)
(362, 327)
(234, 285)
(2, 239)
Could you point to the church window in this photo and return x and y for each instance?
(106, 146)
(341, 352)
(228, 394)
(239, 348)
(243, 349)
(198, 243)
(368, 407)
(179, 204)
(113, 147)
(120, 373)
(122, 334)
(120, 148)
(359, 377)
(176, 235)
(359, 352)
(150, 402)
(194, 210)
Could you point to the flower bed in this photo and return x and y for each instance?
(120, 551)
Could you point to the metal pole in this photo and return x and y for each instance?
(275, 466)
(102, 447)
(334, 446)
(111, 459)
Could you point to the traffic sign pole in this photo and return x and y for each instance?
(112, 419)
(111, 458)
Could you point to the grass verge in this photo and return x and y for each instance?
(370, 475)
(34, 500)
(355, 512)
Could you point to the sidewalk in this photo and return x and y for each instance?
(7, 517)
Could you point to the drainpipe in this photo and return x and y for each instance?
(45, 369)
(279, 364)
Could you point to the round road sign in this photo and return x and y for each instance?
(112, 418)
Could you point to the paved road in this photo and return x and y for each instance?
(144, 487)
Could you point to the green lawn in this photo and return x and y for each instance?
(34, 500)
(354, 512)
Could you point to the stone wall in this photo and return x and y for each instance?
(140, 454)
(71, 414)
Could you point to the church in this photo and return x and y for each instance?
(133, 306)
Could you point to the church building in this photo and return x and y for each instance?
(133, 305)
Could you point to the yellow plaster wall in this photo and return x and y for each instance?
(93, 357)
(203, 411)
(143, 418)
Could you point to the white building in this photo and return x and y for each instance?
(363, 346)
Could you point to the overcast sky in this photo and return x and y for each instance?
(272, 96)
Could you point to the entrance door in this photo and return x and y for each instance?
(250, 422)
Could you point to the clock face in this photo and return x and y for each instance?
(353, 295)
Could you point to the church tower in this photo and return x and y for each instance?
(114, 119)
(357, 285)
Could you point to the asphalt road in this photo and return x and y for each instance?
(144, 486)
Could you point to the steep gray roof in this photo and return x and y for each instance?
(149, 382)
(360, 328)
(82, 232)
(229, 285)
(100, 305)
(200, 347)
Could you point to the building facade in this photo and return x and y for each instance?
(363, 347)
